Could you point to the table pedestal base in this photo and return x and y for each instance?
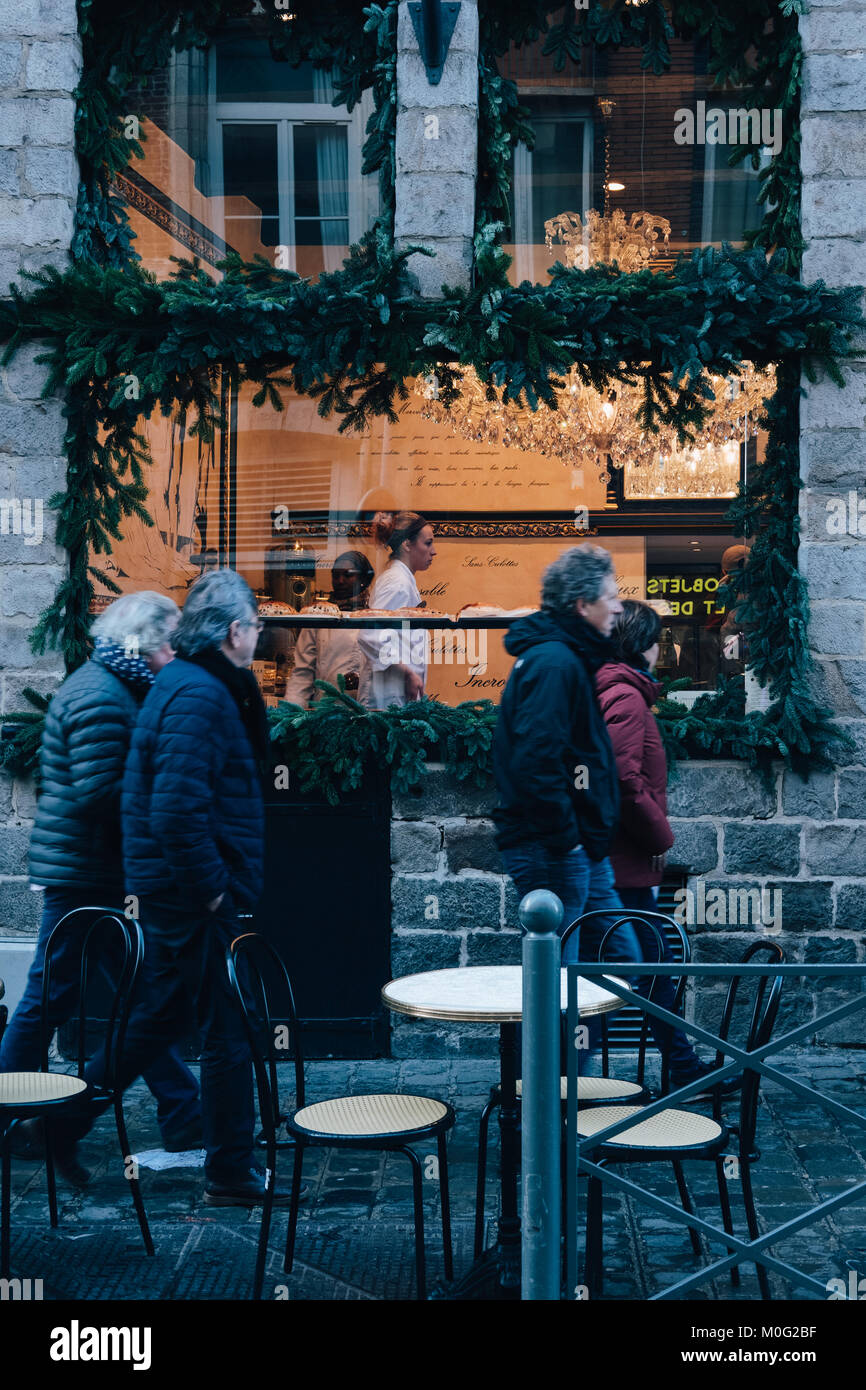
(483, 1282)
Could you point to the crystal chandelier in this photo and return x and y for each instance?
(603, 426)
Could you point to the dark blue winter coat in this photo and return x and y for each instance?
(552, 756)
(193, 817)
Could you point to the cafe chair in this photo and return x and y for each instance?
(4, 1012)
(391, 1122)
(95, 935)
(591, 1090)
(676, 1136)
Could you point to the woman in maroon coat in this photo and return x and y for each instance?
(626, 692)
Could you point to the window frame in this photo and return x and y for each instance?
(285, 116)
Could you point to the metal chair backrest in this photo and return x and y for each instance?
(654, 922)
(106, 942)
(264, 991)
(762, 1021)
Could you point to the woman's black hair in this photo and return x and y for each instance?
(637, 628)
(358, 560)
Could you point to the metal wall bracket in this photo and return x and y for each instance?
(434, 24)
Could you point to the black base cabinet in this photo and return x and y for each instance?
(326, 907)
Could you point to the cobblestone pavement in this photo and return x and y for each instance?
(355, 1236)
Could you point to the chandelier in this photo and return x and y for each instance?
(603, 426)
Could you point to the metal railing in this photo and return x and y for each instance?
(542, 1130)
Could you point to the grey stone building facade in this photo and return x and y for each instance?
(450, 901)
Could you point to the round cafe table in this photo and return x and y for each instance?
(491, 994)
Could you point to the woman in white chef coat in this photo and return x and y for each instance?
(395, 662)
(325, 653)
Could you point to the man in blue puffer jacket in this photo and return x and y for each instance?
(193, 836)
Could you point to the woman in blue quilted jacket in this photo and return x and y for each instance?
(75, 850)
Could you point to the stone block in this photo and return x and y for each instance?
(825, 405)
(37, 121)
(696, 846)
(461, 904)
(31, 429)
(14, 840)
(833, 32)
(836, 850)
(24, 798)
(53, 67)
(17, 653)
(834, 82)
(512, 903)
(719, 789)
(6, 804)
(458, 87)
(806, 905)
(833, 459)
(9, 181)
(832, 146)
(470, 845)
(14, 684)
(837, 629)
(852, 795)
(761, 849)
(856, 731)
(827, 950)
(441, 140)
(834, 260)
(851, 907)
(814, 797)
(35, 475)
(493, 948)
(434, 205)
(415, 951)
(42, 17)
(20, 909)
(441, 797)
(848, 1031)
(834, 570)
(415, 847)
(51, 171)
(451, 265)
(11, 51)
(26, 591)
(36, 221)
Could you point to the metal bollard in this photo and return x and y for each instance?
(540, 915)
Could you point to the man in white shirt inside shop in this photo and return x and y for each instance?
(326, 653)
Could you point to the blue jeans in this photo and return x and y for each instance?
(170, 1080)
(184, 983)
(681, 1052)
(582, 885)
(586, 885)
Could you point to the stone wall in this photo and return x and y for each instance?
(789, 860)
(40, 61)
(436, 154)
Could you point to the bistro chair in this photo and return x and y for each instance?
(92, 933)
(675, 1136)
(391, 1122)
(4, 1012)
(591, 1090)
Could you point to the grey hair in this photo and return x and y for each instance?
(140, 622)
(215, 602)
(577, 573)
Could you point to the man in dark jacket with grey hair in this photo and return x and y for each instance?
(193, 834)
(75, 848)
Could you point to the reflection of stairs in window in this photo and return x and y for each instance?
(171, 217)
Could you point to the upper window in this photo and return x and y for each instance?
(249, 154)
